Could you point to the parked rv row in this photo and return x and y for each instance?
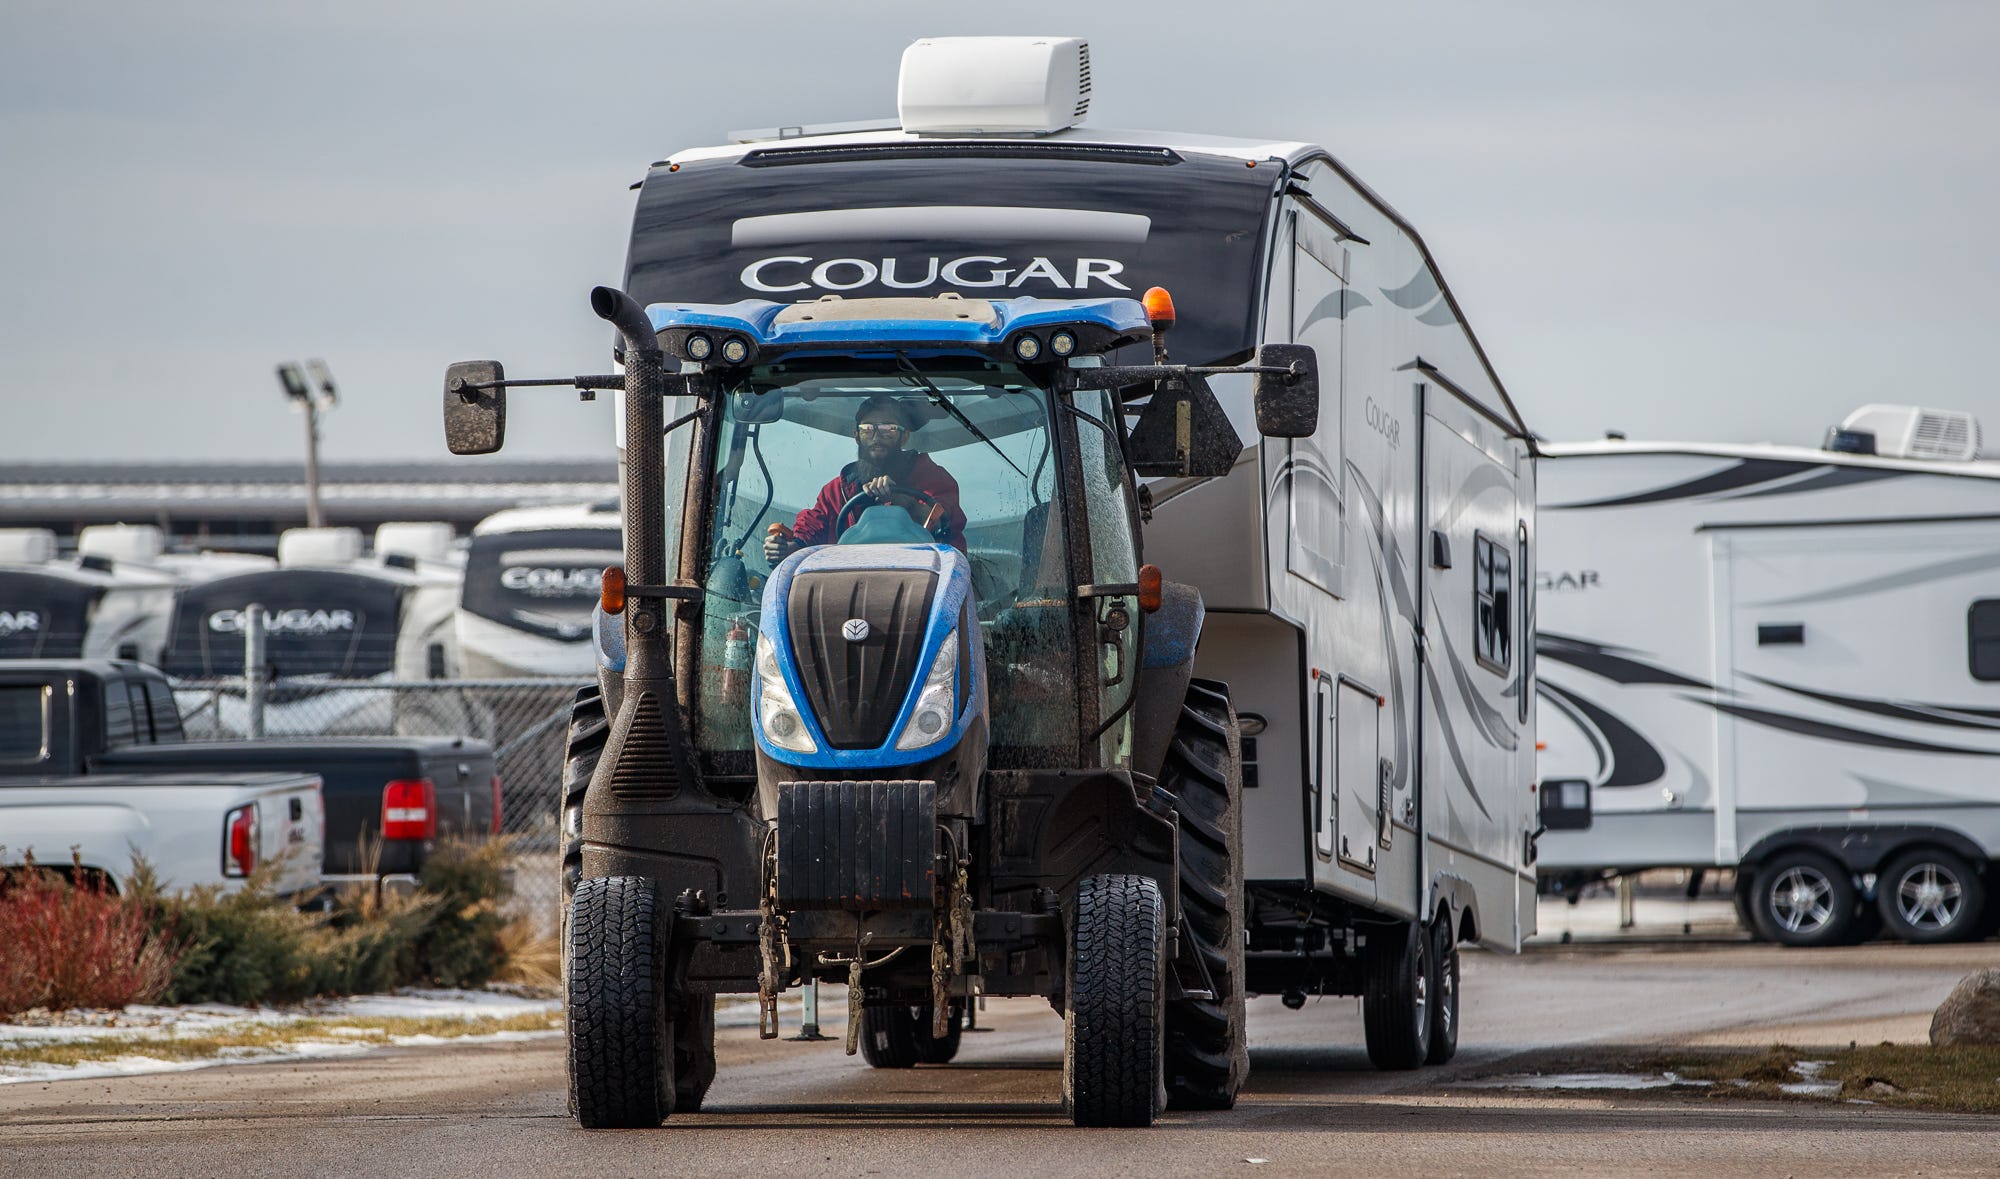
(418, 604)
(1782, 661)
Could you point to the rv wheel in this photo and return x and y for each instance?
(620, 1041)
(1444, 991)
(1396, 1005)
(1116, 993)
(1930, 895)
(898, 1035)
(1802, 898)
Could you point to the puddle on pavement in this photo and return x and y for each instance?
(1601, 1081)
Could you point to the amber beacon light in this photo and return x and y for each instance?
(612, 596)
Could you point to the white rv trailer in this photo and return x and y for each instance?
(1367, 589)
(333, 613)
(113, 599)
(1780, 660)
(531, 577)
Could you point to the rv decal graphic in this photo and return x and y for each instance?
(1617, 664)
(1631, 759)
(1383, 422)
(1422, 289)
(1948, 715)
(1334, 305)
(14, 622)
(1831, 477)
(799, 272)
(1582, 579)
(1450, 735)
(1743, 473)
(1785, 722)
(544, 582)
(1937, 571)
(293, 622)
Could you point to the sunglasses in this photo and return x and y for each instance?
(884, 430)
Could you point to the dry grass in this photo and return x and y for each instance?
(530, 956)
(1918, 1076)
(259, 1039)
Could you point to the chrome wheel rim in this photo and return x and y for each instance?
(1929, 897)
(1447, 996)
(1422, 992)
(1802, 900)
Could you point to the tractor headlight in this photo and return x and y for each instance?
(937, 704)
(776, 710)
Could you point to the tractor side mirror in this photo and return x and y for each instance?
(475, 407)
(1287, 400)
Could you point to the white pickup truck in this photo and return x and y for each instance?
(192, 827)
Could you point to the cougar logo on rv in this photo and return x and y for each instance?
(798, 272)
(286, 622)
(543, 582)
(1581, 579)
(14, 622)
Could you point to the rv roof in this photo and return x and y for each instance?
(1179, 141)
(597, 515)
(1978, 468)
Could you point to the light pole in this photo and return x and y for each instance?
(312, 401)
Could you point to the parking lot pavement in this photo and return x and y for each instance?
(1313, 1105)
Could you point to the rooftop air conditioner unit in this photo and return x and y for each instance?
(139, 544)
(426, 540)
(994, 85)
(27, 546)
(299, 547)
(1909, 432)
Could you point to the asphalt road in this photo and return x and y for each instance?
(1313, 1105)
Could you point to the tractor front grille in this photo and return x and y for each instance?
(861, 846)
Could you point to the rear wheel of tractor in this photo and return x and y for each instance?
(899, 1035)
(1930, 895)
(1444, 991)
(620, 1041)
(694, 1053)
(1116, 998)
(1207, 1055)
(1396, 1005)
(588, 732)
(1802, 898)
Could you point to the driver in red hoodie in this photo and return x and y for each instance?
(881, 426)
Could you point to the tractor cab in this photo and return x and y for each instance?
(913, 471)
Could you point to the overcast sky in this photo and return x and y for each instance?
(1719, 221)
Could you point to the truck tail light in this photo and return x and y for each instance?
(240, 841)
(409, 809)
(496, 804)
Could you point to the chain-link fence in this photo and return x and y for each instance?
(525, 720)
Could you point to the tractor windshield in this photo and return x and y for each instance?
(965, 448)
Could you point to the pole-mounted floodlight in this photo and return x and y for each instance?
(311, 402)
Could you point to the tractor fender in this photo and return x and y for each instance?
(1166, 665)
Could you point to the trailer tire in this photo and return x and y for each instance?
(1444, 991)
(1114, 1042)
(898, 1035)
(620, 1041)
(1740, 895)
(694, 1053)
(589, 731)
(1928, 895)
(1208, 1055)
(1802, 898)
(1396, 1003)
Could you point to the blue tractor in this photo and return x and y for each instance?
(888, 698)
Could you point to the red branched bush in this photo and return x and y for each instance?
(76, 944)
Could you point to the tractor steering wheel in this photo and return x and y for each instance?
(862, 500)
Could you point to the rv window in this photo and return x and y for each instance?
(24, 723)
(1983, 626)
(1492, 602)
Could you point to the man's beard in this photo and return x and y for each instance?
(896, 465)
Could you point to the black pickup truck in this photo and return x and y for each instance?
(399, 794)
